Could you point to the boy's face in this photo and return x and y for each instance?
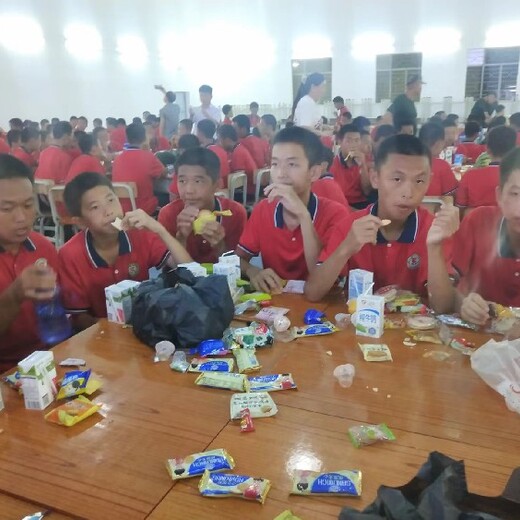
(254, 110)
(226, 143)
(265, 130)
(402, 181)
(366, 144)
(290, 166)
(182, 130)
(242, 132)
(351, 142)
(509, 201)
(338, 105)
(196, 188)
(99, 208)
(205, 98)
(17, 211)
(450, 135)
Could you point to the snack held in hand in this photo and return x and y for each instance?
(72, 412)
(342, 483)
(196, 464)
(366, 434)
(222, 485)
(207, 216)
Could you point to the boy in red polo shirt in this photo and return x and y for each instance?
(257, 147)
(54, 160)
(197, 171)
(88, 161)
(30, 145)
(408, 250)
(205, 131)
(349, 167)
(478, 186)
(254, 118)
(22, 282)
(468, 148)
(487, 256)
(117, 135)
(156, 142)
(290, 227)
(100, 255)
(325, 186)
(227, 110)
(139, 166)
(442, 181)
(14, 139)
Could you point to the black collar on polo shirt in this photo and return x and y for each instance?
(312, 207)
(125, 247)
(218, 207)
(410, 229)
(504, 244)
(494, 163)
(28, 244)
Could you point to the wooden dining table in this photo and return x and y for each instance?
(112, 465)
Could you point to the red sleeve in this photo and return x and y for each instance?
(156, 167)
(168, 218)
(173, 187)
(249, 243)
(73, 293)
(449, 183)
(235, 227)
(462, 255)
(158, 253)
(462, 194)
(337, 235)
(98, 168)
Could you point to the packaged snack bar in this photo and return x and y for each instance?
(424, 336)
(246, 421)
(256, 335)
(196, 464)
(246, 360)
(73, 383)
(313, 317)
(366, 434)
(210, 347)
(225, 380)
(211, 365)
(341, 483)
(375, 352)
(222, 485)
(455, 321)
(72, 412)
(259, 404)
(271, 383)
(394, 322)
(315, 330)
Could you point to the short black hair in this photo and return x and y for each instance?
(439, 112)
(16, 121)
(431, 133)
(514, 119)
(97, 131)
(121, 121)
(384, 131)
(402, 144)
(471, 129)
(188, 141)
(490, 93)
(501, 140)
(207, 128)
(29, 133)
(60, 129)
(497, 121)
(449, 122)
(150, 118)
(55, 120)
(452, 117)
(73, 117)
(85, 142)
(309, 141)
(188, 123)
(227, 132)
(327, 156)
(269, 120)
(226, 109)
(170, 96)
(135, 133)
(361, 121)
(77, 187)
(254, 104)
(112, 121)
(338, 99)
(509, 164)
(499, 108)
(348, 129)
(13, 168)
(83, 118)
(13, 136)
(78, 133)
(97, 120)
(242, 121)
(138, 120)
(44, 122)
(202, 157)
(205, 89)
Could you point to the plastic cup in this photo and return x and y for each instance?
(345, 374)
(164, 350)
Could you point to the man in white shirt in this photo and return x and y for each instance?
(206, 109)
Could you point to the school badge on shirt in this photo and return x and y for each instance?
(413, 261)
(133, 270)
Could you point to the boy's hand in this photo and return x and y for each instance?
(358, 156)
(36, 282)
(287, 196)
(139, 219)
(444, 225)
(185, 221)
(475, 309)
(214, 233)
(267, 281)
(363, 231)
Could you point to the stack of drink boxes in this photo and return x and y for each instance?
(38, 377)
(229, 266)
(119, 300)
(370, 310)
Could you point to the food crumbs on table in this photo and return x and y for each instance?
(388, 396)
(329, 353)
(375, 389)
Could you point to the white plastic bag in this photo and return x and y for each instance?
(498, 364)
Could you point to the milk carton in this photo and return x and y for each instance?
(195, 268)
(38, 378)
(359, 282)
(118, 299)
(370, 316)
(229, 266)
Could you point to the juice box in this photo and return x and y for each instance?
(370, 316)
(195, 268)
(118, 299)
(359, 282)
(230, 271)
(38, 377)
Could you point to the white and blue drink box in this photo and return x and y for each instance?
(370, 316)
(359, 282)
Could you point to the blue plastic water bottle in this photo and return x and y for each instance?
(53, 324)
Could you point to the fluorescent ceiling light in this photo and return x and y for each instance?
(506, 34)
(368, 45)
(132, 51)
(21, 34)
(311, 47)
(437, 41)
(83, 41)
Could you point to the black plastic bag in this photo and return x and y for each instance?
(182, 308)
(439, 492)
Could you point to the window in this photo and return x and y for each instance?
(393, 71)
(494, 70)
(302, 68)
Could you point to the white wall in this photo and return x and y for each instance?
(214, 40)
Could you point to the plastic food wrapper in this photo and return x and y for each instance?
(260, 404)
(211, 365)
(271, 383)
(222, 485)
(36, 516)
(73, 362)
(424, 336)
(72, 412)
(366, 434)
(313, 317)
(339, 483)
(281, 323)
(389, 293)
(196, 464)
(246, 421)
(210, 347)
(463, 345)
(179, 362)
(246, 360)
(287, 515)
(420, 322)
(225, 380)
(256, 297)
(73, 383)
(93, 384)
(375, 352)
(315, 330)
(254, 336)
(14, 381)
(345, 374)
(271, 313)
(455, 321)
(394, 322)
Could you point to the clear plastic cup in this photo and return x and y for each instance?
(345, 374)
(164, 350)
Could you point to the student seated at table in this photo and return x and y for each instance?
(487, 255)
(409, 251)
(349, 167)
(451, 132)
(205, 132)
(257, 147)
(29, 147)
(118, 135)
(442, 180)
(381, 133)
(289, 228)
(198, 174)
(267, 129)
(478, 185)
(100, 255)
(468, 147)
(54, 160)
(22, 282)
(73, 148)
(326, 186)
(139, 166)
(227, 110)
(14, 139)
(155, 141)
(88, 161)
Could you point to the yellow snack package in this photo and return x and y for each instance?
(226, 380)
(424, 336)
(287, 515)
(246, 360)
(68, 414)
(221, 485)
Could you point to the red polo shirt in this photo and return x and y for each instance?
(84, 163)
(484, 258)
(281, 249)
(117, 139)
(328, 141)
(74, 152)
(84, 274)
(326, 187)
(258, 148)
(198, 248)
(443, 181)
(54, 164)
(403, 262)
(21, 338)
(160, 144)
(27, 158)
(142, 167)
(227, 121)
(477, 187)
(4, 147)
(254, 120)
(240, 159)
(348, 177)
(470, 150)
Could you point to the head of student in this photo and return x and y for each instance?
(242, 125)
(149, 130)
(82, 123)
(339, 102)
(402, 175)
(97, 122)
(514, 121)
(206, 130)
(30, 139)
(508, 191)
(135, 134)
(185, 126)
(15, 123)
(327, 158)
(88, 145)
(227, 110)
(227, 137)
(451, 132)
(432, 135)
(414, 87)
(497, 121)
(17, 210)
(44, 124)
(362, 122)
(205, 95)
(46, 138)
(101, 137)
(490, 97)
(111, 123)
(170, 97)
(198, 174)
(188, 141)
(453, 117)
(471, 130)
(254, 107)
(145, 115)
(14, 138)
(345, 118)
(62, 133)
(267, 126)
(296, 159)
(405, 126)
(73, 120)
(91, 201)
(441, 114)
(137, 120)
(121, 122)
(500, 110)
(500, 141)
(349, 137)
